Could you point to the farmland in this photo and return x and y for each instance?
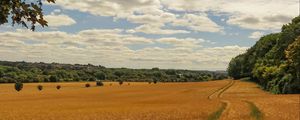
(224, 99)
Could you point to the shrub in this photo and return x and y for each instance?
(128, 84)
(87, 85)
(40, 87)
(154, 81)
(58, 87)
(120, 82)
(99, 83)
(18, 86)
(110, 84)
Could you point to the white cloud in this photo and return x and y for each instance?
(147, 13)
(187, 42)
(256, 35)
(154, 29)
(59, 20)
(198, 22)
(248, 14)
(254, 14)
(112, 48)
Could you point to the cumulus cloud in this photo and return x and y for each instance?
(198, 22)
(254, 14)
(112, 48)
(147, 13)
(55, 20)
(256, 35)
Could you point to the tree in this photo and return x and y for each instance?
(119, 73)
(155, 69)
(293, 55)
(100, 75)
(23, 12)
(53, 78)
(1, 73)
(157, 76)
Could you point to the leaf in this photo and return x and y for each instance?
(53, 1)
(24, 24)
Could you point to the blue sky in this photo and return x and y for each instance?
(170, 34)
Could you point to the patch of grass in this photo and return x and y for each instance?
(248, 79)
(255, 112)
(217, 114)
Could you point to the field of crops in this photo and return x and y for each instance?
(224, 99)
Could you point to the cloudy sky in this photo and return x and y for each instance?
(180, 34)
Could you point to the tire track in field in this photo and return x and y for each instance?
(225, 104)
(220, 91)
(254, 112)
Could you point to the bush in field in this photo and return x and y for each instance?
(99, 83)
(155, 81)
(128, 84)
(58, 87)
(120, 82)
(110, 84)
(40, 87)
(18, 86)
(87, 85)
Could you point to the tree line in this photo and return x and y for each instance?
(11, 72)
(273, 62)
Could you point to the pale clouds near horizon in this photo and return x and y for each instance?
(179, 34)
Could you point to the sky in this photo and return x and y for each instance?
(169, 34)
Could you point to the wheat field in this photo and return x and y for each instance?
(143, 101)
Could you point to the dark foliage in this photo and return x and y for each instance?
(58, 87)
(54, 72)
(40, 87)
(23, 12)
(120, 82)
(18, 86)
(273, 61)
(87, 85)
(99, 83)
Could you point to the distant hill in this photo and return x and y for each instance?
(273, 62)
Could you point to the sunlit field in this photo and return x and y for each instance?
(144, 101)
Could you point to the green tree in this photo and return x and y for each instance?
(100, 75)
(53, 78)
(119, 73)
(293, 56)
(1, 73)
(23, 12)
